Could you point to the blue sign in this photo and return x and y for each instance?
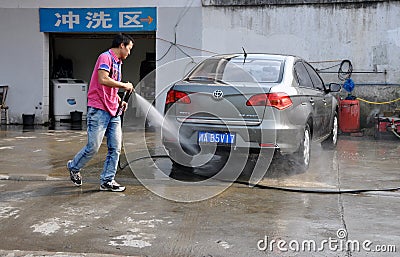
(98, 19)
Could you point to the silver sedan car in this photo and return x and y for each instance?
(250, 102)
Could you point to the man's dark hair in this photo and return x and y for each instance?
(122, 38)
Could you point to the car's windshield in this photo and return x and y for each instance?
(238, 70)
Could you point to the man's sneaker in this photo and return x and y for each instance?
(112, 186)
(75, 177)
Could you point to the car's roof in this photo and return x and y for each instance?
(256, 56)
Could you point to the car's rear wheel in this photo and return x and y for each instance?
(302, 156)
(179, 160)
(331, 142)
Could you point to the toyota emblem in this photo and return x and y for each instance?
(218, 94)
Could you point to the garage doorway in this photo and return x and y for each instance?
(73, 55)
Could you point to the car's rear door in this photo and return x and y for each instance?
(311, 97)
(326, 111)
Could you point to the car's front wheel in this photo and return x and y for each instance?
(331, 142)
(302, 156)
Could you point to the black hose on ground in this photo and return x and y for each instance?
(121, 167)
(288, 189)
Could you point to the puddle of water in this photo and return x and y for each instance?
(129, 240)
(7, 148)
(47, 228)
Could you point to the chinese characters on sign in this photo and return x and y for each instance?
(97, 20)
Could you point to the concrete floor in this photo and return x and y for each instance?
(348, 196)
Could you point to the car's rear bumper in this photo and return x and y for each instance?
(268, 134)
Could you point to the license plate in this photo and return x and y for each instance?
(205, 137)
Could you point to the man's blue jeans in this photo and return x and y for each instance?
(99, 124)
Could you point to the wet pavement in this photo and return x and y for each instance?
(349, 197)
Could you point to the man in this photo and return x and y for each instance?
(103, 102)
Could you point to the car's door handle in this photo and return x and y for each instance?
(325, 103)
(312, 101)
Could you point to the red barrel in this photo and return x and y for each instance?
(349, 115)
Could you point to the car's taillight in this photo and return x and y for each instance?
(278, 100)
(175, 96)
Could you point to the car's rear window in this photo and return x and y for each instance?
(238, 70)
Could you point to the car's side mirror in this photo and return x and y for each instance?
(334, 87)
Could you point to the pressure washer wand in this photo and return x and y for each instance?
(120, 111)
(125, 98)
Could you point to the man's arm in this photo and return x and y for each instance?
(105, 80)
